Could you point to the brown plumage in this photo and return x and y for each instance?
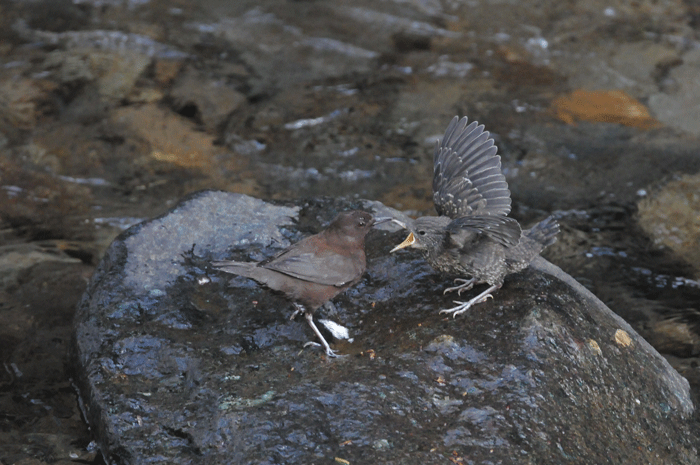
(473, 235)
(315, 269)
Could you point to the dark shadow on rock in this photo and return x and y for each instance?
(179, 364)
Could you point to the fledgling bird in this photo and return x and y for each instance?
(315, 269)
(473, 235)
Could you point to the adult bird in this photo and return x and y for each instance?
(473, 236)
(315, 269)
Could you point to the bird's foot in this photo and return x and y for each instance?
(465, 285)
(329, 352)
(464, 306)
(298, 309)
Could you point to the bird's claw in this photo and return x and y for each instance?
(464, 306)
(329, 352)
(465, 285)
(298, 309)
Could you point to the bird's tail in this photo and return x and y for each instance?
(544, 232)
(239, 268)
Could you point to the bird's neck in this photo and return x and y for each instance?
(345, 241)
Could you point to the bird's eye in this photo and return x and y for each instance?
(421, 233)
(361, 224)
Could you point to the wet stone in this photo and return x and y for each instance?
(177, 363)
(669, 216)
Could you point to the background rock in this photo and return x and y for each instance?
(670, 217)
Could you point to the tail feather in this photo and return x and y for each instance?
(544, 232)
(240, 268)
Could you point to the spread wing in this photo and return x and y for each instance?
(318, 265)
(467, 177)
(506, 231)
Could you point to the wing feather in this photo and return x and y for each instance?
(333, 270)
(467, 178)
(502, 229)
(317, 264)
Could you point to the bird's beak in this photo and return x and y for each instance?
(410, 240)
(386, 219)
(380, 220)
(400, 223)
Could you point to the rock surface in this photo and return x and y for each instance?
(178, 364)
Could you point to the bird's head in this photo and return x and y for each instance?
(353, 223)
(426, 233)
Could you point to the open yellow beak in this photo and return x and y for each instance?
(410, 240)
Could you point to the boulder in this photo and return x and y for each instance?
(177, 363)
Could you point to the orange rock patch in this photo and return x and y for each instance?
(603, 106)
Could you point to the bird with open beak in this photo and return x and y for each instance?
(472, 238)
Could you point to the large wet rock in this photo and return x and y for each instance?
(179, 364)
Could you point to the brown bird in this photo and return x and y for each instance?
(315, 269)
(473, 235)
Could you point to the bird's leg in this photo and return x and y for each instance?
(465, 285)
(464, 306)
(310, 319)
